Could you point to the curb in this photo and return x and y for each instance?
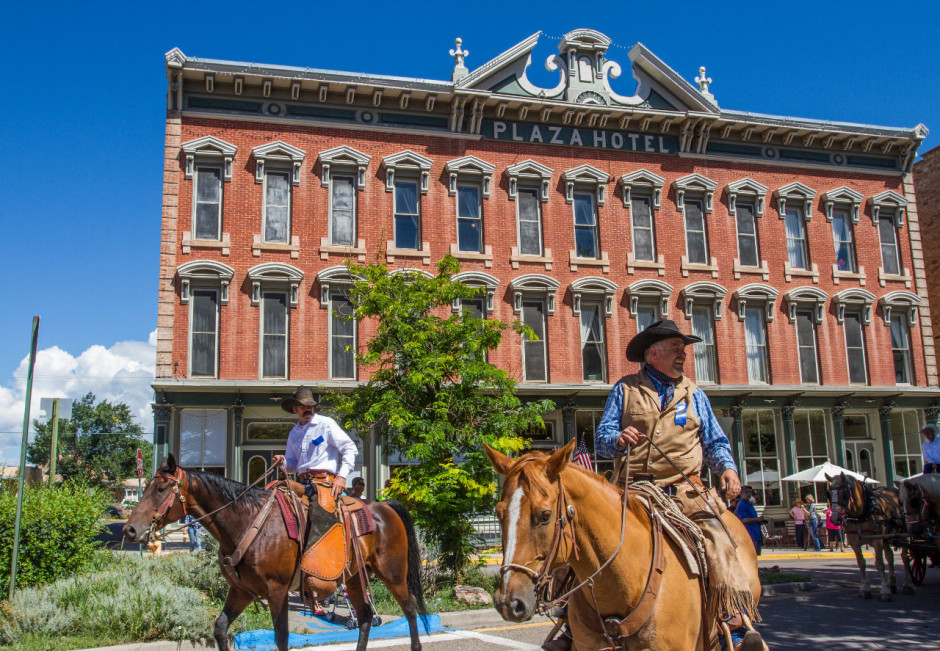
(775, 589)
(812, 556)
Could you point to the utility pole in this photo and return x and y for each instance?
(22, 488)
(55, 439)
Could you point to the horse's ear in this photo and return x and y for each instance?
(828, 478)
(557, 462)
(500, 462)
(170, 463)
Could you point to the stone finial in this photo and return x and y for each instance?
(460, 70)
(703, 83)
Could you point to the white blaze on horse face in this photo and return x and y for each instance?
(510, 549)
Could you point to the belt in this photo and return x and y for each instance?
(313, 475)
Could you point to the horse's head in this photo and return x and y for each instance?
(531, 505)
(914, 504)
(162, 503)
(840, 497)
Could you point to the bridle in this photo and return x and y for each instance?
(175, 479)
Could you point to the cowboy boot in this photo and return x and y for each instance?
(560, 643)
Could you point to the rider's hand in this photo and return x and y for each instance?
(629, 436)
(730, 484)
(339, 484)
(277, 460)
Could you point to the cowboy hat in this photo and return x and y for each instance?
(302, 396)
(656, 331)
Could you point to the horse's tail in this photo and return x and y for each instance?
(414, 559)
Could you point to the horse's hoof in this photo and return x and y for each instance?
(907, 590)
(865, 594)
(376, 621)
(885, 597)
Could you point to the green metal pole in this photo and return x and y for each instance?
(55, 439)
(19, 494)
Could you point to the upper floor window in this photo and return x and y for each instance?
(807, 347)
(585, 226)
(795, 207)
(694, 198)
(755, 338)
(648, 301)
(469, 219)
(208, 162)
(593, 348)
(204, 285)
(890, 251)
(534, 299)
(899, 310)
(277, 166)
(407, 215)
(487, 285)
(274, 334)
(843, 235)
(334, 296)
(642, 191)
(343, 171)
(704, 352)
(746, 204)
(529, 212)
(855, 347)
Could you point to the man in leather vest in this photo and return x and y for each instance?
(661, 405)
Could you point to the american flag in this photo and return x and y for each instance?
(581, 455)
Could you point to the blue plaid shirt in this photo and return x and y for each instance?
(715, 445)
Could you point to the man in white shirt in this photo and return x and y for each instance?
(317, 447)
(931, 449)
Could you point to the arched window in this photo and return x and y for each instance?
(342, 331)
(204, 286)
(275, 289)
(649, 301)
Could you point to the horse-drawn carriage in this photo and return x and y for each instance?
(905, 518)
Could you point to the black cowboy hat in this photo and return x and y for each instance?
(656, 331)
(302, 396)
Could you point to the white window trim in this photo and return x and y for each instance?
(885, 202)
(747, 189)
(468, 183)
(642, 181)
(536, 284)
(407, 163)
(204, 273)
(695, 185)
(270, 275)
(596, 228)
(477, 279)
(278, 153)
(596, 289)
(649, 289)
(420, 234)
(585, 176)
(330, 288)
(798, 193)
(806, 298)
(195, 177)
(542, 249)
(261, 334)
(532, 172)
(853, 299)
(842, 195)
(469, 169)
(900, 301)
(208, 148)
(703, 293)
(754, 294)
(351, 161)
(218, 327)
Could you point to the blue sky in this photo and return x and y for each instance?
(83, 117)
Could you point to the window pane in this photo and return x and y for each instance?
(216, 435)
(704, 352)
(468, 201)
(468, 235)
(585, 242)
(644, 247)
(592, 342)
(276, 207)
(889, 245)
(645, 315)
(342, 332)
(696, 245)
(806, 340)
(407, 218)
(796, 237)
(855, 348)
(843, 237)
(533, 315)
(208, 202)
(900, 345)
(406, 232)
(755, 343)
(343, 207)
(583, 210)
(274, 345)
(747, 235)
(406, 198)
(204, 322)
(530, 226)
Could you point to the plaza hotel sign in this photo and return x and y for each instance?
(543, 134)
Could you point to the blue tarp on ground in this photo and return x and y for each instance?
(330, 632)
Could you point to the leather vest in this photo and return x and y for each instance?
(641, 409)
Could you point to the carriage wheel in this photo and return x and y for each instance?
(351, 623)
(330, 617)
(918, 566)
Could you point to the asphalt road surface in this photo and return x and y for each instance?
(831, 617)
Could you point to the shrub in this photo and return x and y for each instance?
(57, 534)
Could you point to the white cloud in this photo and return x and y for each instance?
(121, 373)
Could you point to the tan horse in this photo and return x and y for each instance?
(552, 513)
(871, 516)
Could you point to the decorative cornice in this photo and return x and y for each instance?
(750, 187)
(842, 195)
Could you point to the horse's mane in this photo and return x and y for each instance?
(537, 480)
(227, 489)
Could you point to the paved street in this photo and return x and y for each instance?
(831, 617)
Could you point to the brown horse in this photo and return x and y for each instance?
(871, 516)
(553, 512)
(269, 567)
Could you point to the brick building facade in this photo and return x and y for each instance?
(792, 246)
(927, 185)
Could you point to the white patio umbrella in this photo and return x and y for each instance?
(765, 476)
(818, 474)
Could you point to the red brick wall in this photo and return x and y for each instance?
(308, 345)
(927, 187)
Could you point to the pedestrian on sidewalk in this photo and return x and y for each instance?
(798, 513)
(813, 518)
(748, 515)
(193, 529)
(835, 533)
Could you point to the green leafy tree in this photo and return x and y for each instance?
(435, 398)
(98, 444)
